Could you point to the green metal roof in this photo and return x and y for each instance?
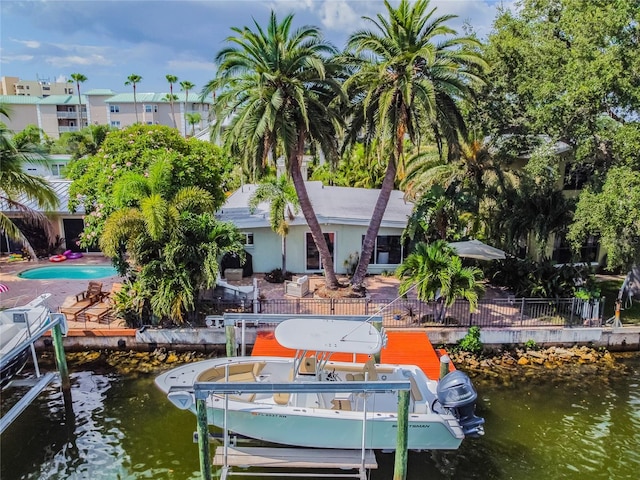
(100, 91)
(19, 99)
(156, 98)
(62, 100)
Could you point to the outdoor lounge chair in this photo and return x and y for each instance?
(101, 311)
(83, 301)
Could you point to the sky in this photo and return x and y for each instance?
(108, 40)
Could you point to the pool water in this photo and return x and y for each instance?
(70, 272)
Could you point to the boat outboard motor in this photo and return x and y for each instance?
(455, 392)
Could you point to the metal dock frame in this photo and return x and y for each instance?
(182, 398)
(57, 324)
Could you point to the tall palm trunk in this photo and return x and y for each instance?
(374, 226)
(378, 212)
(331, 280)
(79, 106)
(135, 102)
(173, 113)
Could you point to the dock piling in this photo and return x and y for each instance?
(203, 438)
(402, 445)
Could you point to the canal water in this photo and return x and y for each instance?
(575, 426)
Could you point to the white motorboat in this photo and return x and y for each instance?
(17, 325)
(441, 413)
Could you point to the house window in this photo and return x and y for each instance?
(115, 123)
(388, 250)
(248, 239)
(149, 123)
(563, 252)
(114, 108)
(151, 108)
(56, 169)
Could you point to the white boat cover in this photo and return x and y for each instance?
(338, 336)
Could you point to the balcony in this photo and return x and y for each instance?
(71, 115)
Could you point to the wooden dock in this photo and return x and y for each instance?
(303, 458)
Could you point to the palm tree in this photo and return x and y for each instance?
(79, 78)
(134, 80)
(193, 119)
(155, 234)
(283, 206)
(437, 274)
(276, 87)
(17, 188)
(186, 85)
(172, 79)
(170, 97)
(406, 80)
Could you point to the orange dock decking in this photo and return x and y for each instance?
(409, 348)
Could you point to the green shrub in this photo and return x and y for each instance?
(531, 345)
(471, 341)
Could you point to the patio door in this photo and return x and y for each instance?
(313, 260)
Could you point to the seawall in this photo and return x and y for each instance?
(214, 339)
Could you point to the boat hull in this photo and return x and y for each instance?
(337, 429)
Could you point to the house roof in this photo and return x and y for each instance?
(19, 99)
(61, 189)
(334, 205)
(156, 98)
(100, 91)
(62, 100)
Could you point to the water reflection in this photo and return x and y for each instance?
(572, 427)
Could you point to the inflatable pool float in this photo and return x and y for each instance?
(71, 255)
(57, 258)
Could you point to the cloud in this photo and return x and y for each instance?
(80, 60)
(15, 58)
(27, 43)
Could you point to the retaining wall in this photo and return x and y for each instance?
(212, 339)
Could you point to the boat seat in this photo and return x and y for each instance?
(340, 404)
(370, 370)
(355, 377)
(308, 366)
(242, 372)
(282, 398)
(416, 394)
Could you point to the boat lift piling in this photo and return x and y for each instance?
(182, 397)
(57, 325)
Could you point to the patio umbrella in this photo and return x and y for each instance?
(478, 250)
(3, 288)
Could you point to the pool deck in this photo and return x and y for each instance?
(63, 291)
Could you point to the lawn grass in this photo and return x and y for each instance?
(609, 290)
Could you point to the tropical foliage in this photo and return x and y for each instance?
(168, 245)
(436, 273)
(409, 72)
(613, 212)
(18, 188)
(193, 164)
(276, 86)
(281, 196)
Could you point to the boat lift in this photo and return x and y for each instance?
(58, 325)
(182, 397)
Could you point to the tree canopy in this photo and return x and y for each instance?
(134, 149)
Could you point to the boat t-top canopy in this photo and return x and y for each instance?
(325, 335)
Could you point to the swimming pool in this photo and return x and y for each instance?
(69, 272)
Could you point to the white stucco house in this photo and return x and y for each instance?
(344, 214)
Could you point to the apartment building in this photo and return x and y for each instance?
(42, 87)
(57, 114)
